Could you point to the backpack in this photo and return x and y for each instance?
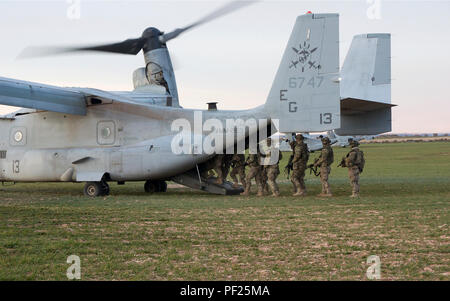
(360, 161)
(330, 158)
(306, 152)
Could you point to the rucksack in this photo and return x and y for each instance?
(360, 161)
(306, 152)
(330, 158)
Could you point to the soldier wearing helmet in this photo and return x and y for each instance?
(354, 161)
(299, 162)
(324, 161)
(271, 168)
(254, 172)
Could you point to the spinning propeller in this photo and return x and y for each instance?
(151, 38)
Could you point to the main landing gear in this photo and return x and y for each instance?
(93, 189)
(155, 186)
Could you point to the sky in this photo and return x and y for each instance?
(232, 60)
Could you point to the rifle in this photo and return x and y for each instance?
(313, 168)
(342, 164)
(289, 166)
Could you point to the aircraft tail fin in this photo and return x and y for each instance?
(366, 86)
(366, 73)
(305, 93)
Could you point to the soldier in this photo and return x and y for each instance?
(271, 168)
(264, 178)
(254, 172)
(238, 164)
(324, 161)
(263, 174)
(354, 161)
(349, 141)
(299, 161)
(206, 169)
(218, 168)
(226, 164)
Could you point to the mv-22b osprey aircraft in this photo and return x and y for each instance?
(93, 136)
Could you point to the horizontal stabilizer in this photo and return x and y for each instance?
(351, 106)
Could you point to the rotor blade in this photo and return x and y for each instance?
(130, 46)
(226, 9)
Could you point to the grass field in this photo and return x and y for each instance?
(402, 216)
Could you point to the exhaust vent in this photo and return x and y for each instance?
(212, 106)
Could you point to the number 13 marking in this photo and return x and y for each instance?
(16, 166)
(326, 118)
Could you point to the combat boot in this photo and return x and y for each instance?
(260, 192)
(246, 193)
(323, 194)
(355, 195)
(328, 193)
(300, 193)
(276, 194)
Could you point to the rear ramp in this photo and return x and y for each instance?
(193, 180)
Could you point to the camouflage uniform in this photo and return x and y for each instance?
(226, 164)
(325, 160)
(299, 161)
(254, 172)
(264, 178)
(272, 171)
(353, 163)
(238, 164)
(218, 168)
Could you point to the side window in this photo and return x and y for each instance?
(106, 132)
(18, 136)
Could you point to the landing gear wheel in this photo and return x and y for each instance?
(151, 186)
(162, 186)
(94, 189)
